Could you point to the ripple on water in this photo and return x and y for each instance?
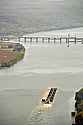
(39, 116)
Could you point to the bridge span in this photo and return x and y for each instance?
(45, 39)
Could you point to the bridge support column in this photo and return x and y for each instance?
(82, 41)
(25, 39)
(54, 40)
(19, 39)
(2, 38)
(36, 39)
(60, 40)
(75, 40)
(42, 39)
(66, 40)
(48, 40)
(31, 40)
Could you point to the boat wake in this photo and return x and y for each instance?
(38, 115)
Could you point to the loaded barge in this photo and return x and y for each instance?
(49, 96)
(77, 115)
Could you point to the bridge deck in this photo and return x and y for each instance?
(67, 39)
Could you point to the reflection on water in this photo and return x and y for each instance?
(38, 115)
(22, 107)
(57, 114)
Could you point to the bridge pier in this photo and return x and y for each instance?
(60, 40)
(54, 40)
(36, 39)
(66, 40)
(82, 41)
(31, 40)
(19, 39)
(42, 39)
(75, 40)
(1, 38)
(25, 39)
(48, 40)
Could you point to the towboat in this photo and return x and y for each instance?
(77, 115)
(49, 96)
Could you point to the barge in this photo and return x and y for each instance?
(49, 96)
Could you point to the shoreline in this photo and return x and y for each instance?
(10, 53)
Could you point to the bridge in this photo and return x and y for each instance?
(48, 39)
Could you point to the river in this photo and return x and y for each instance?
(22, 85)
(44, 65)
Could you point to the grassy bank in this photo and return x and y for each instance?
(11, 53)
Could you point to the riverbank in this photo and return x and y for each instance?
(10, 53)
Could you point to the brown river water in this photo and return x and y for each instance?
(43, 66)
